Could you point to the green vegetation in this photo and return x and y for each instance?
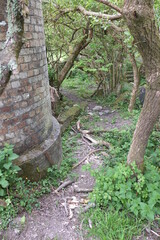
(8, 171)
(19, 194)
(81, 83)
(125, 188)
(125, 198)
(111, 225)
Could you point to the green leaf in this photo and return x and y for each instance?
(2, 192)
(13, 157)
(150, 215)
(7, 165)
(23, 219)
(16, 168)
(4, 183)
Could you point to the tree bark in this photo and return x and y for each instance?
(17, 10)
(144, 127)
(73, 55)
(136, 82)
(140, 19)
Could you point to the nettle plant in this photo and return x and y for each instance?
(8, 171)
(125, 188)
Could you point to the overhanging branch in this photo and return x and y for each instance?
(111, 5)
(98, 14)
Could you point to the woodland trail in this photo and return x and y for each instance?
(58, 217)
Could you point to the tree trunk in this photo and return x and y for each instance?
(140, 19)
(9, 55)
(146, 122)
(136, 83)
(73, 55)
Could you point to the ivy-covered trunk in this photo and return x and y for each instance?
(16, 10)
(140, 19)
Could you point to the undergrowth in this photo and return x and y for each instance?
(112, 225)
(80, 82)
(22, 195)
(125, 188)
(125, 198)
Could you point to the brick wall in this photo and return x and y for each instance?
(25, 111)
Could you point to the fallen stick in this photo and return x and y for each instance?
(65, 207)
(92, 140)
(82, 190)
(64, 184)
(155, 233)
(74, 130)
(93, 151)
(78, 125)
(95, 142)
(85, 135)
(96, 131)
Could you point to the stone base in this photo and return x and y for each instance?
(66, 117)
(34, 164)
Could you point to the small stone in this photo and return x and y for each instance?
(17, 231)
(15, 84)
(1, 104)
(35, 235)
(82, 176)
(97, 108)
(72, 133)
(101, 113)
(107, 111)
(90, 113)
(10, 135)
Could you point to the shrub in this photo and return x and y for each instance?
(8, 171)
(124, 188)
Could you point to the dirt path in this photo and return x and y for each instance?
(58, 216)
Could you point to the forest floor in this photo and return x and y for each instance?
(59, 215)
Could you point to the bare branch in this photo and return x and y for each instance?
(110, 5)
(99, 14)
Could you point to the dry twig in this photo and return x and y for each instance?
(63, 185)
(82, 190)
(85, 135)
(155, 233)
(90, 153)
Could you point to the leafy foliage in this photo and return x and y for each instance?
(124, 187)
(23, 194)
(8, 171)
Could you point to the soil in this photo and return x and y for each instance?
(59, 215)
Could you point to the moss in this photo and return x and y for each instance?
(14, 13)
(70, 114)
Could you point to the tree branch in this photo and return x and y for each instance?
(110, 5)
(98, 14)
